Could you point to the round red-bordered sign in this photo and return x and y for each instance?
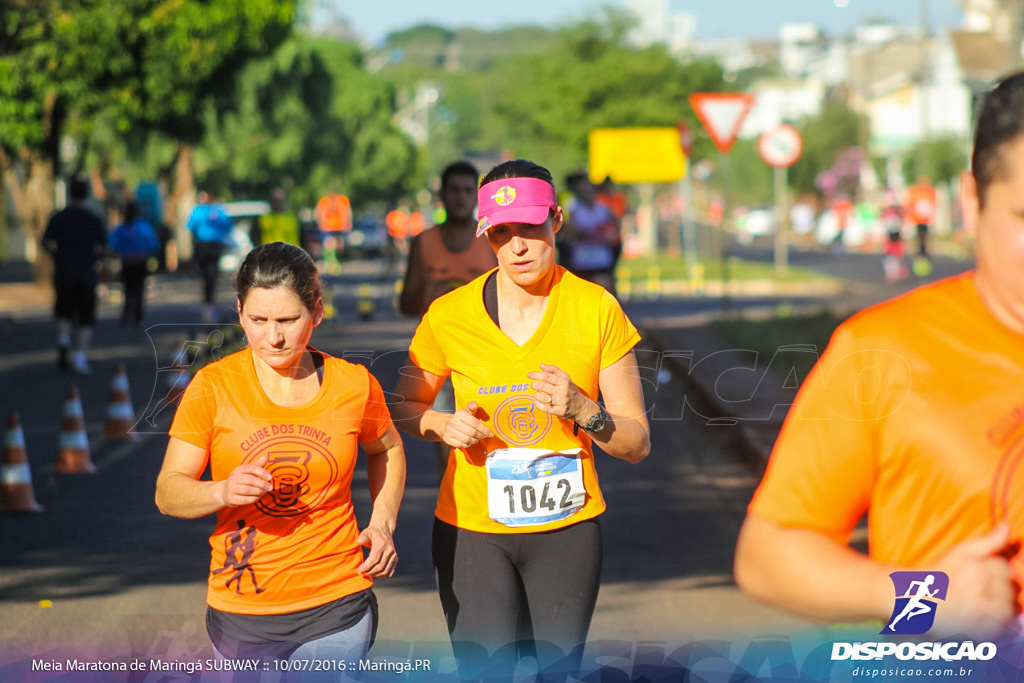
(781, 146)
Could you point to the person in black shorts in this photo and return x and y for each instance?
(76, 239)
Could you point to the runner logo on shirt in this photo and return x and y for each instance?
(291, 460)
(917, 594)
(518, 423)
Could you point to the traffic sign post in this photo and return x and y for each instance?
(688, 225)
(722, 115)
(780, 148)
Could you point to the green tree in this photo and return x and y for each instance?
(546, 104)
(312, 119)
(941, 159)
(145, 63)
(826, 136)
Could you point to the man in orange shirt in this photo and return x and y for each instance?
(446, 257)
(920, 203)
(914, 413)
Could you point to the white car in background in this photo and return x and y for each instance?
(759, 222)
(244, 232)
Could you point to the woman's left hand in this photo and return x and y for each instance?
(382, 559)
(555, 392)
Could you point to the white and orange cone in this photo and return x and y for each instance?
(73, 449)
(16, 494)
(120, 414)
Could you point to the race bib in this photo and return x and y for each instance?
(591, 256)
(533, 486)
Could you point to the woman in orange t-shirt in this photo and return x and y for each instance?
(279, 424)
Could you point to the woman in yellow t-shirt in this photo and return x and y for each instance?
(529, 348)
(279, 423)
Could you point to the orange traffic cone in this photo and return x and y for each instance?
(73, 450)
(16, 493)
(120, 414)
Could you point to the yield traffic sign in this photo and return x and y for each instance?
(722, 114)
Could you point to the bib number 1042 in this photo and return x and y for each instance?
(527, 497)
(527, 488)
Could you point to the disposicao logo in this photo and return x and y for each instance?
(917, 599)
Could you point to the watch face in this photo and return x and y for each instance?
(596, 423)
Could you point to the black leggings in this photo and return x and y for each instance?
(511, 595)
(208, 260)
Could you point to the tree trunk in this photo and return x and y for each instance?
(180, 201)
(37, 204)
(5, 240)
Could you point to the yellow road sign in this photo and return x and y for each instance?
(636, 155)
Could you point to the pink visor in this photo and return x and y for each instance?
(514, 200)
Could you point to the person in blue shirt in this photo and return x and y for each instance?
(211, 228)
(135, 242)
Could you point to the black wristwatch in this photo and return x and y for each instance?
(596, 423)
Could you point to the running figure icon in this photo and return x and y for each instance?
(238, 552)
(916, 605)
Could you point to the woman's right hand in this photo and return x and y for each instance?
(464, 429)
(247, 483)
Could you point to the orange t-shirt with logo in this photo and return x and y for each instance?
(916, 412)
(296, 547)
(583, 331)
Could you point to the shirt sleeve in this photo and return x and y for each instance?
(425, 351)
(618, 335)
(376, 417)
(193, 421)
(822, 469)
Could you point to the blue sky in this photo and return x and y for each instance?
(715, 19)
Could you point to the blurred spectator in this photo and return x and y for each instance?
(76, 240)
(334, 213)
(280, 225)
(211, 229)
(592, 231)
(920, 206)
(801, 218)
(151, 209)
(444, 258)
(135, 242)
(397, 221)
(893, 264)
(842, 211)
(611, 196)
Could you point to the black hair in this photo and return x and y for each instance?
(575, 177)
(278, 264)
(1000, 121)
(458, 168)
(518, 168)
(131, 210)
(78, 189)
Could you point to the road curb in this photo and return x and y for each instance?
(732, 389)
